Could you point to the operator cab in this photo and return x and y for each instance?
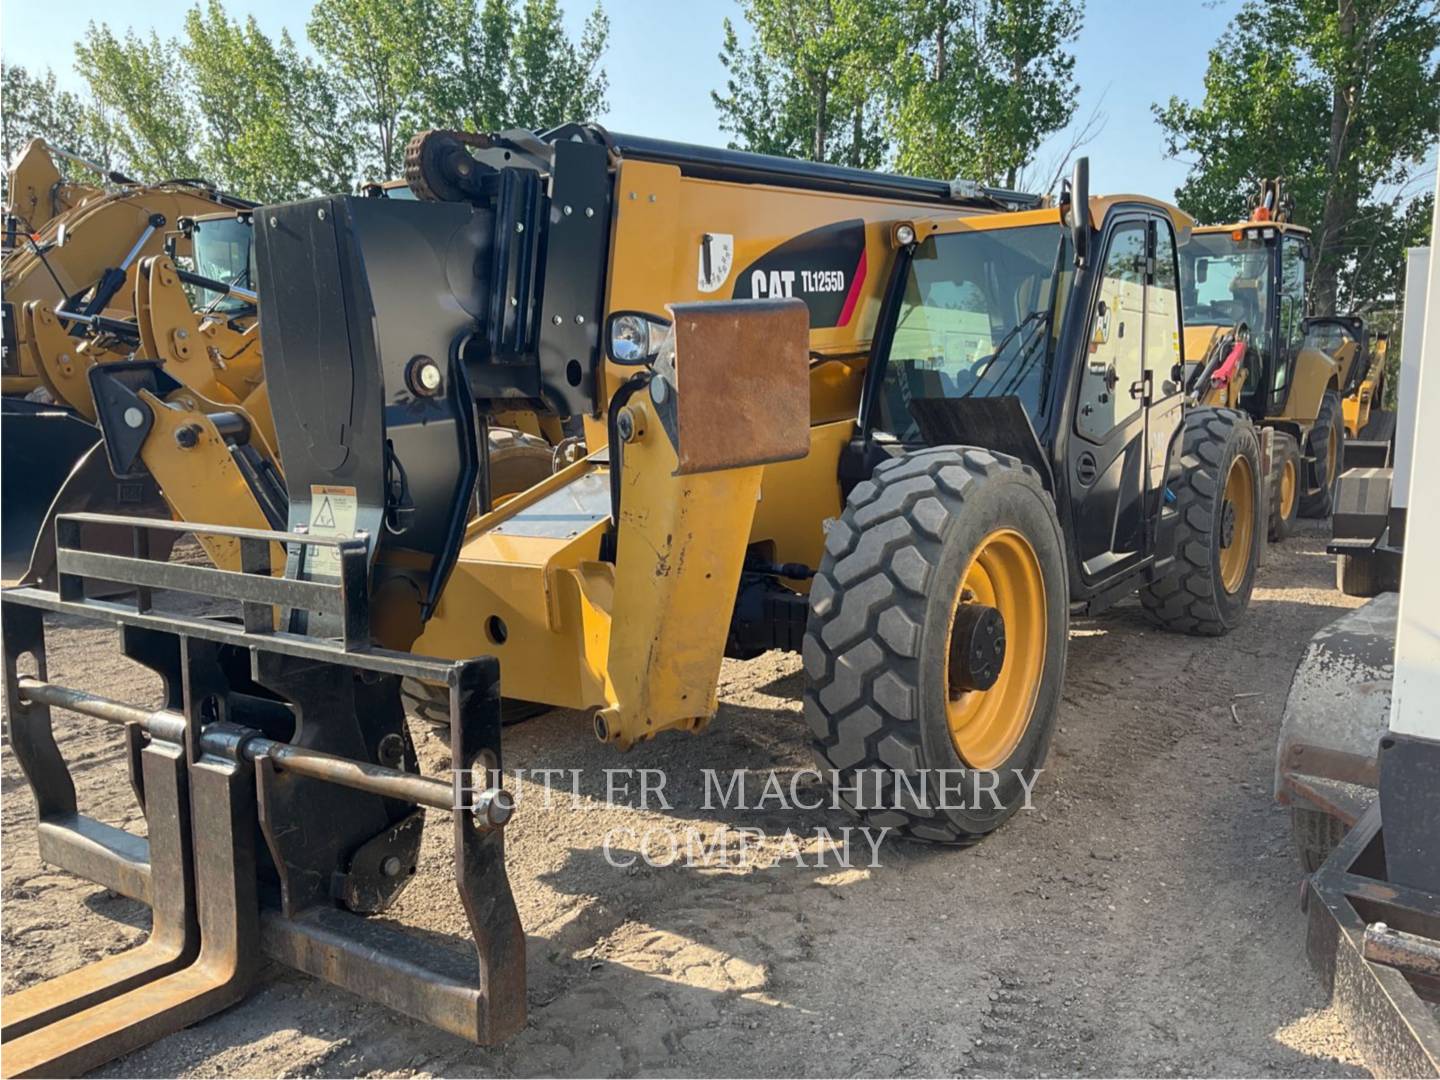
(999, 337)
(223, 250)
(1252, 273)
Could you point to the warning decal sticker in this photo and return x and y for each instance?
(332, 513)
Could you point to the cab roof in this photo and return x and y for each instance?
(1250, 223)
(1182, 222)
(1100, 205)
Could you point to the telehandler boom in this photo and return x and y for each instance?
(905, 427)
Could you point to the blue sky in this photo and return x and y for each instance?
(663, 63)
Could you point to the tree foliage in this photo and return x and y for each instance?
(270, 121)
(261, 118)
(986, 82)
(138, 78)
(36, 108)
(934, 87)
(1340, 97)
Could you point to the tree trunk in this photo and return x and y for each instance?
(1341, 197)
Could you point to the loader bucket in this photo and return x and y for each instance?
(39, 447)
(281, 796)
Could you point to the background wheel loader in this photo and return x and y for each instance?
(906, 427)
(195, 331)
(71, 248)
(1244, 285)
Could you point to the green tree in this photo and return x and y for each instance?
(812, 82)
(402, 65)
(938, 87)
(553, 79)
(34, 107)
(153, 124)
(468, 90)
(763, 107)
(383, 54)
(1338, 96)
(271, 124)
(986, 83)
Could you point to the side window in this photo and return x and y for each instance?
(1292, 304)
(1115, 361)
(1162, 311)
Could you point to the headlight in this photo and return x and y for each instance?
(630, 339)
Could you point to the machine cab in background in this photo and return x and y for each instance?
(1253, 274)
(996, 338)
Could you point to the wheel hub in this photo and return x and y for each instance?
(977, 648)
(1227, 524)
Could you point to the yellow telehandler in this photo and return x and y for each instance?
(904, 427)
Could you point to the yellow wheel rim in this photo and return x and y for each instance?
(1330, 461)
(1237, 524)
(987, 725)
(1287, 489)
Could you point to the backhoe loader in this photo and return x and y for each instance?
(1243, 286)
(1362, 356)
(72, 252)
(904, 427)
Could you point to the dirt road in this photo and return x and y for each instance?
(1142, 919)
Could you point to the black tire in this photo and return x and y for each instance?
(878, 638)
(517, 461)
(1380, 427)
(1283, 517)
(1365, 575)
(1316, 835)
(432, 705)
(1328, 433)
(1193, 597)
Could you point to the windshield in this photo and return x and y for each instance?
(975, 321)
(1224, 281)
(224, 251)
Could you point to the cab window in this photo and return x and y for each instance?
(1292, 306)
(1114, 362)
(976, 320)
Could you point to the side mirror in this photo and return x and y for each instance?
(633, 338)
(1080, 210)
(1202, 270)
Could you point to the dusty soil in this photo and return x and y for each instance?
(1142, 919)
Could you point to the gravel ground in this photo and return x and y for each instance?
(1143, 919)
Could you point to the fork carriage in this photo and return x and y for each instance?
(262, 732)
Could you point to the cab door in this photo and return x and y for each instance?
(1164, 392)
(1107, 459)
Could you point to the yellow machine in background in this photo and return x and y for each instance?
(39, 193)
(1245, 283)
(72, 256)
(1362, 355)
